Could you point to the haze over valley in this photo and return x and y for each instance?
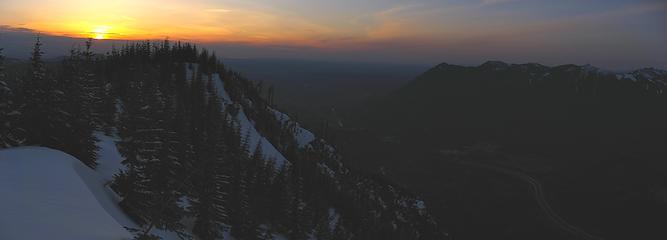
(333, 120)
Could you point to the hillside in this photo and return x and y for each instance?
(499, 102)
(592, 139)
(189, 148)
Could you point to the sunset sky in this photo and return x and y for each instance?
(608, 33)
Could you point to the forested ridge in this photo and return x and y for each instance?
(189, 167)
(593, 138)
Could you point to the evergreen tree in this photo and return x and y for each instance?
(10, 133)
(36, 94)
(239, 219)
(211, 179)
(45, 117)
(339, 231)
(322, 230)
(261, 172)
(165, 182)
(80, 142)
(279, 198)
(257, 179)
(2, 65)
(150, 186)
(296, 206)
(107, 114)
(89, 82)
(197, 109)
(101, 106)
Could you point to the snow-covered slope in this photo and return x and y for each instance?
(301, 135)
(248, 130)
(254, 139)
(650, 78)
(49, 190)
(110, 159)
(47, 194)
(222, 93)
(247, 127)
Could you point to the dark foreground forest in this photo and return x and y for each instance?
(188, 165)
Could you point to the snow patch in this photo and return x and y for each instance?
(626, 76)
(302, 136)
(109, 159)
(47, 194)
(247, 127)
(220, 87)
(327, 170)
(254, 138)
(419, 204)
(333, 219)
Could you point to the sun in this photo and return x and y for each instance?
(100, 32)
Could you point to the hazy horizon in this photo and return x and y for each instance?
(616, 35)
(58, 46)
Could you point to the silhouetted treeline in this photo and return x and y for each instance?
(186, 157)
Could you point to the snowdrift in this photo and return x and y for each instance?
(47, 194)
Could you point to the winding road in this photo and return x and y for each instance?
(539, 195)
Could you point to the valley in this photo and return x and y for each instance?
(333, 120)
(575, 156)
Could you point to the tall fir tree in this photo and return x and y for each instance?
(197, 109)
(81, 142)
(239, 218)
(261, 171)
(322, 229)
(45, 114)
(150, 187)
(164, 172)
(93, 87)
(211, 179)
(280, 198)
(296, 206)
(10, 132)
(36, 95)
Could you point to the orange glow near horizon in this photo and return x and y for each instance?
(387, 29)
(99, 33)
(160, 19)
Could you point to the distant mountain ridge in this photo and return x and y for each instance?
(595, 138)
(497, 99)
(647, 74)
(580, 78)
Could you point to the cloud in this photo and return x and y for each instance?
(7, 28)
(495, 2)
(218, 10)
